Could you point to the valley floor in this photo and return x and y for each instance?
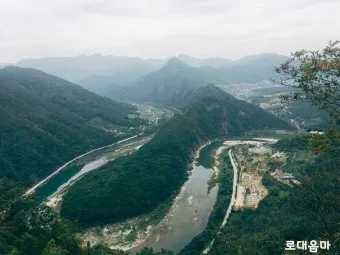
(238, 169)
(248, 159)
(191, 205)
(56, 185)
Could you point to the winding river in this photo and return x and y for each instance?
(188, 215)
(33, 189)
(190, 211)
(73, 170)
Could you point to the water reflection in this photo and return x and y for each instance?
(188, 216)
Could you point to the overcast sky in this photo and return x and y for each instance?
(162, 28)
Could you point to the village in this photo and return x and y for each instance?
(253, 159)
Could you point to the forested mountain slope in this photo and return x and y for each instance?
(45, 121)
(135, 185)
(29, 228)
(169, 84)
(219, 113)
(177, 80)
(308, 211)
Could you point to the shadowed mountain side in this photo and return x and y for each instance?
(46, 121)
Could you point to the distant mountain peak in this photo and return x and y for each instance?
(175, 63)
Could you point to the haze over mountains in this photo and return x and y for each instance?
(38, 103)
(169, 127)
(101, 74)
(161, 81)
(176, 79)
(168, 84)
(81, 67)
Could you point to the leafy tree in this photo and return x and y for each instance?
(316, 76)
(8, 190)
(29, 228)
(328, 143)
(88, 247)
(103, 250)
(309, 210)
(53, 249)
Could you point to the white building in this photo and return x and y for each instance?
(277, 155)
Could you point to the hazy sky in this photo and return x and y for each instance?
(162, 28)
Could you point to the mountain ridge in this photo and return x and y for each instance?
(220, 113)
(78, 68)
(168, 84)
(47, 120)
(162, 81)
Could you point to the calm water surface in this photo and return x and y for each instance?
(189, 214)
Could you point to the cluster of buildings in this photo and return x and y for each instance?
(277, 155)
(280, 175)
(284, 177)
(250, 192)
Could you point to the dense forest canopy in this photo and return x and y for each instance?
(305, 212)
(45, 121)
(218, 113)
(135, 185)
(308, 211)
(29, 228)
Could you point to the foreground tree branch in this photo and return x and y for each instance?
(316, 77)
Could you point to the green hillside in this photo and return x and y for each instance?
(46, 121)
(218, 113)
(137, 184)
(308, 211)
(27, 227)
(132, 186)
